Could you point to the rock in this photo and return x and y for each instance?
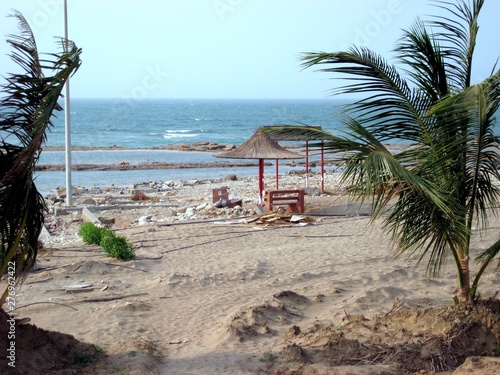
(60, 193)
(89, 202)
(231, 177)
(169, 213)
(313, 192)
(144, 220)
(121, 222)
(201, 206)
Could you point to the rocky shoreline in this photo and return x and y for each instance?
(196, 146)
(182, 147)
(141, 166)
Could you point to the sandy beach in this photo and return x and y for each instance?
(223, 291)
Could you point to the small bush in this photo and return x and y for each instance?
(117, 247)
(90, 233)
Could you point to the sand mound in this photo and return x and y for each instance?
(479, 366)
(408, 340)
(38, 351)
(279, 310)
(90, 267)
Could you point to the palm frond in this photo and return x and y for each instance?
(470, 114)
(27, 107)
(423, 56)
(390, 104)
(458, 38)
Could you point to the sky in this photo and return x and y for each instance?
(222, 48)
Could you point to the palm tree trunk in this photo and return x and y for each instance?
(463, 293)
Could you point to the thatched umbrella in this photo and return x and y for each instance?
(260, 146)
(307, 133)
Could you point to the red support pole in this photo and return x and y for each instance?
(261, 180)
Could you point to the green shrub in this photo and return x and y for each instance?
(90, 233)
(117, 247)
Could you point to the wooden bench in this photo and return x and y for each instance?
(294, 199)
(221, 198)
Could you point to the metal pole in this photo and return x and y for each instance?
(67, 124)
(307, 163)
(322, 166)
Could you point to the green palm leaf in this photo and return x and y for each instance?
(29, 101)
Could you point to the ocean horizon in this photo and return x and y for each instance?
(149, 123)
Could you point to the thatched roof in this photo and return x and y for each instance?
(260, 146)
(300, 133)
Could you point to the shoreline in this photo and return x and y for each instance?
(185, 147)
(197, 146)
(180, 147)
(125, 166)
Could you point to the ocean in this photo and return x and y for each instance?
(145, 124)
(159, 122)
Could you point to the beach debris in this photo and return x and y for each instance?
(89, 216)
(145, 220)
(139, 196)
(107, 221)
(78, 288)
(280, 217)
(113, 298)
(180, 341)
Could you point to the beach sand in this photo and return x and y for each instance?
(210, 293)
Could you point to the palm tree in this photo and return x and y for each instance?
(432, 194)
(27, 102)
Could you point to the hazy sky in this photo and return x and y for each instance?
(221, 48)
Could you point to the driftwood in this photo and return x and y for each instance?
(38, 281)
(79, 290)
(112, 298)
(121, 265)
(281, 218)
(39, 303)
(73, 288)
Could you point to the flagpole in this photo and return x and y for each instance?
(67, 123)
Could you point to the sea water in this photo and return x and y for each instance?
(145, 124)
(159, 122)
